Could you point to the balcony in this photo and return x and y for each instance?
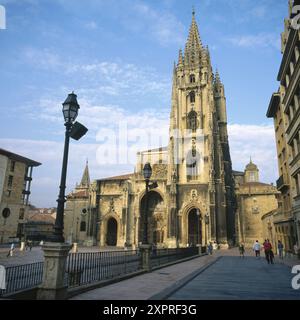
(26, 192)
(282, 183)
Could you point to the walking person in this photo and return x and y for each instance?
(268, 252)
(11, 250)
(30, 245)
(210, 248)
(256, 249)
(242, 250)
(280, 249)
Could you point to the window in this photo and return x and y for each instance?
(12, 166)
(193, 164)
(10, 181)
(192, 97)
(6, 213)
(192, 78)
(251, 176)
(82, 226)
(21, 213)
(192, 121)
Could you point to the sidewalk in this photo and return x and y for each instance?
(146, 286)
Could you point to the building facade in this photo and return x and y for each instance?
(194, 201)
(284, 108)
(255, 202)
(15, 183)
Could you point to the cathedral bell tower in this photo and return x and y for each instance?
(199, 159)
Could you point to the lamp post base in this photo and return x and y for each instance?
(145, 252)
(54, 286)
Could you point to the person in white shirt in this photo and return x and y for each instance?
(256, 248)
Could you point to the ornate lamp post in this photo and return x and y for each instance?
(199, 240)
(206, 219)
(147, 172)
(73, 130)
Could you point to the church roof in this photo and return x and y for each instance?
(155, 150)
(238, 173)
(121, 177)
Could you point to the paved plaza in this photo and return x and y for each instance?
(224, 275)
(233, 278)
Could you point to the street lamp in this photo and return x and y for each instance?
(75, 131)
(199, 240)
(147, 172)
(206, 219)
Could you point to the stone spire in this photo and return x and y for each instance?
(217, 78)
(193, 46)
(85, 180)
(180, 59)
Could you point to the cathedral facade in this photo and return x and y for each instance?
(194, 201)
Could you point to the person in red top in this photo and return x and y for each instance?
(268, 251)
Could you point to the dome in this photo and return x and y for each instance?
(251, 166)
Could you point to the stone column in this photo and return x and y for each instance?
(75, 247)
(53, 286)
(145, 250)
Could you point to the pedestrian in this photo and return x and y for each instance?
(210, 248)
(215, 245)
(280, 249)
(268, 252)
(242, 250)
(11, 250)
(256, 249)
(30, 245)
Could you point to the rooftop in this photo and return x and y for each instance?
(17, 157)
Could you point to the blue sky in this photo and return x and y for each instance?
(117, 55)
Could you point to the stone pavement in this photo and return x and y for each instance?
(144, 286)
(235, 278)
(224, 275)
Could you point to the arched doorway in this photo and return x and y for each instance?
(112, 232)
(155, 219)
(194, 228)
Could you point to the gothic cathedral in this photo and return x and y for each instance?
(194, 201)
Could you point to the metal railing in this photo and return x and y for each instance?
(162, 256)
(20, 277)
(86, 268)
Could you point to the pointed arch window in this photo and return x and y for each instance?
(192, 97)
(193, 164)
(192, 121)
(192, 78)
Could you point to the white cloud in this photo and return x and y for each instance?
(261, 40)
(258, 142)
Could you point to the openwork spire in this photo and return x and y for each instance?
(193, 46)
(85, 181)
(217, 77)
(180, 59)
